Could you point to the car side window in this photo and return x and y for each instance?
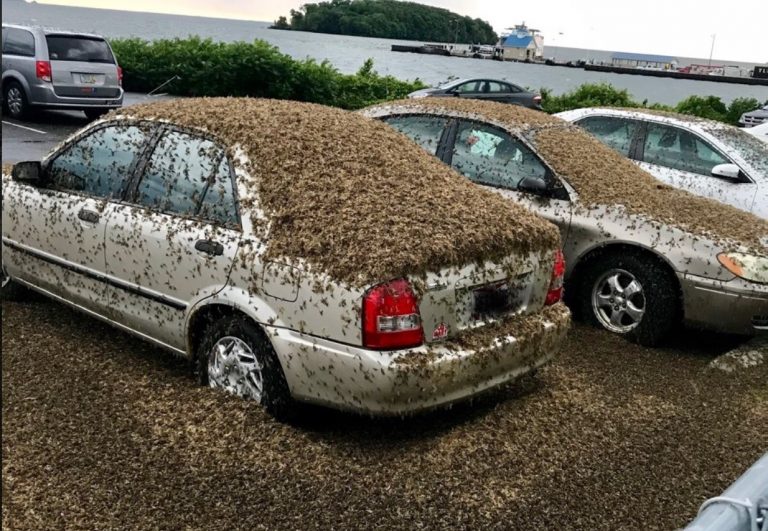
(495, 87)
(680, 149)
(19, 42)
(487, 155)
(100, 163)
(472, 86)
(218, 202)
(179, 172)
(616, 133)
(424, 130)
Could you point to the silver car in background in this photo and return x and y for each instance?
(44, 68)
(627, 272)
(704, 157)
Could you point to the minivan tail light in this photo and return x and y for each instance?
(391, 318)
(43, 70)
(120, 75)
(555, 293)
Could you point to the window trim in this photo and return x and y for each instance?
(121, 198)
(745, 178)
(162, 129)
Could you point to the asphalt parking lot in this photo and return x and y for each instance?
(103, 431)
(34, 137)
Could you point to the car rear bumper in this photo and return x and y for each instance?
(43, 95)
(407, 381)
(736, 307)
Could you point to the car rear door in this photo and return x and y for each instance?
(82, 66)
(620, 134)
(426, 130)
(173, 242)
(685, 160)
(54, 235)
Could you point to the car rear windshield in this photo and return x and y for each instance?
(72, 48)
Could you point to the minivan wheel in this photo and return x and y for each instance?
(95, 114)
(235, 355)
(631, 295)
(14, 100)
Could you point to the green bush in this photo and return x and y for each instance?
(587, 95)
(738, 107)
(258, 69)
(710, 107)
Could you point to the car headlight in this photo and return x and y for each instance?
(746, 266)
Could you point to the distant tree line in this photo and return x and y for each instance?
(388, 19)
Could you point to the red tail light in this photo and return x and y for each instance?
(391, 317)
(43, 70)
(555, 293)
(120, 75)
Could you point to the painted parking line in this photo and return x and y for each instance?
(25, 127)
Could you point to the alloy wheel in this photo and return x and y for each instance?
(618, 301)
(233, 366)
(15, 101)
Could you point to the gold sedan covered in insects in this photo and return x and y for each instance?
(291, 251)
(642, 256)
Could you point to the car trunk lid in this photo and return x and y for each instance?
(459, 299)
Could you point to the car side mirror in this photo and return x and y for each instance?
(533, 185)
(727, 171)
(29, 172)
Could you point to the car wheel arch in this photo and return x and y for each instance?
(621, 248)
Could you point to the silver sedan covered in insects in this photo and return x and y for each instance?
(291, 251)
(642, 256)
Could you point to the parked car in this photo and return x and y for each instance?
(288, 263)
(753, 118)
(701, 156)
(642, 256)
(50, 69)
(759, 131)
(483, 89)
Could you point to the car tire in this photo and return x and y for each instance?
(95, 114)
(612, 287)
(245, 341)
(15, 100)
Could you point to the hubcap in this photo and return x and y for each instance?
(618, 301)
(15, 101)
(233, 366)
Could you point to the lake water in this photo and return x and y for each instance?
(348, 53)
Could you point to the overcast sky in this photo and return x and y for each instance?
(673, 27)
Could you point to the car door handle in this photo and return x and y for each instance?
(210, 247)
(88, 215)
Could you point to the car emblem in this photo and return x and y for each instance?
(441, 332)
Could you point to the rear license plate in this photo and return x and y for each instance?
(88, 79)
(493, 300)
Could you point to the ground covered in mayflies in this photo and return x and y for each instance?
(102, 431)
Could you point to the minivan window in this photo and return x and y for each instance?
(19, 42)
(71, 48)
(99, 164)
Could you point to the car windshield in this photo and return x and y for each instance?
(750, 148)
(77, 48)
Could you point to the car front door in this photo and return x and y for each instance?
(174, 241)
(683, 159)
(491, 157)
(55, 233)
